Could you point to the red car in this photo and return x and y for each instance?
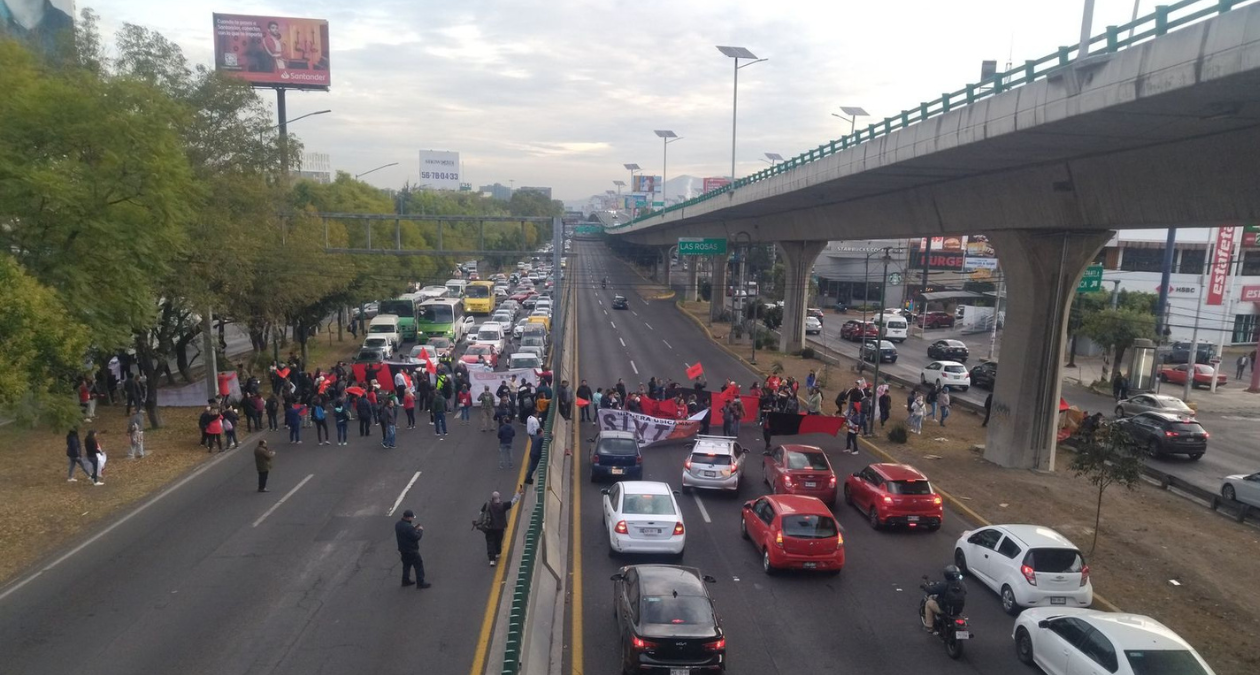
(792, 531)
(481, 352)
(935, 320)
(799, 470)
(520, 297)
(1202, 375)
(894, 494)
(852, 330)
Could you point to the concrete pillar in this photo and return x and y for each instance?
(693, 272)
(717, 279)
(1042, 270)
(666, 271)
(798, 260)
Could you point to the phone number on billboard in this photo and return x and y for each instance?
(439, 175)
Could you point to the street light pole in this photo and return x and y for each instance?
(879, 335)
(853, 113)
(736, 53)
(666, 137)
(383, 166)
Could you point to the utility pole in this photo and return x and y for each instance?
(879, 335)
(997, 306)
(212, 365)
(1192, 362)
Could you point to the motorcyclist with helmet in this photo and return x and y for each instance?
(948, 597)
(605, 282)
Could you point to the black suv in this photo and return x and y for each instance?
(984, 375)
(1167, 434)
(1181, 353)
(887, 352)
(948, 350)
(620, 302)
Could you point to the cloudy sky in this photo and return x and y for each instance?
(561, 93)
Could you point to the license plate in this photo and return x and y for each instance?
(651, 530)
(710, 474)
(616, 472)
(809, 565)
(912, 519)
(811, 485)
(962, 635)
(679, 671)
(1058, 601)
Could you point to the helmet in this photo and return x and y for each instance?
(952, 573)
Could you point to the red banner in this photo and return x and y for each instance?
(1250, 294)
(1219, 272)
(694, 371)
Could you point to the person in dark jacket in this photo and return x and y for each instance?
(230, 421)
(341, 416)
(389, 420)
(506, 434)
(92, 450)
(273, 412)
(74, 452)
(584, 393)
(293, 420)
(439, 415)
(408, 534)
(363, 407)
(885, 407)
(262, 461)
(988, 408)
(495, 520)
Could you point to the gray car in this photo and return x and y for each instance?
(1141, 403)
(715, 463)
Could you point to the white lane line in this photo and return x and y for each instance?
(667, 344)
(649, 326)
(634, 312)
(605, 312)
(645, 302)
(622, 341)
(613, 325)
(403, 494)
(601, 303)
(636, 368)
(282, 500)
(700, 505)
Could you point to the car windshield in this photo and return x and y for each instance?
(526, 361)
(955, 369)
(439, 343)
(488, 335)
(909, 487)
(618, 446)
(1187, 428)
(532, 341)
(437, 314)
(478, 349)
(478, 291)
(1163, 662)
(374, 342)
(1054, 560)
(809, 527)
(381, 328)
(369, 355)
(815, 461)
(680, 610)
(706, 458)
(647, 505)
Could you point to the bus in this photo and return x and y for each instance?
(404, 307)
(441, 317)
(479, 297)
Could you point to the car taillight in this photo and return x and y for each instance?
(1207, 435)
(839, 541)
(687, 464)
(778, 539)
(716, 646)
(621, 527)
(1084, 575)
(594, 458)
(936, 500)
(1171, 434)
(832, 483)
(678, 528)
(787, 481)
(1029, 573)
(639, 643)
(887, 499)
(638, 459)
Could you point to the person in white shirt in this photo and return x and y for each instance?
(400, 385)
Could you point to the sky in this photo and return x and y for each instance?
(562, 93)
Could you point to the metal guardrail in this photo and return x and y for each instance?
(1164, 19)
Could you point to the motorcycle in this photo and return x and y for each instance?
(604, 283)
(952, 630)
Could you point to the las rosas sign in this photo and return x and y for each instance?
(698, 246)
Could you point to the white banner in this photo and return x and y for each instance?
(970, 263)
(439, 169)
(479, 379)
(647, 429)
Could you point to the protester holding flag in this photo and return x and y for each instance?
(584, 400)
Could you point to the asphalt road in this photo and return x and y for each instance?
(217, 578)
(864, 620)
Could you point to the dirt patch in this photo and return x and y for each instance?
(1148, 537)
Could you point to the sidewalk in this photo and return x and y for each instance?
(1232, 398)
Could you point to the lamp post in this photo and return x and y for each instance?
(284, 129)
(620, 184)
(736, 53)
(851, 113)
(383, 166)
(879, 338)
(634, 212)
(773, 158)
(666, 137)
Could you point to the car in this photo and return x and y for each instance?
(481, 353)
(524, 360)
(519, 297)
(534, 342)
(643, 517)
(380, 342)
(935, 320)
(444, 347)
(814, 312)
(853, 330)
(948, 350)
(946, 374)
(1141, 403)
(813, 326)
(501, 293)
(1026, 565)
(665, 618)
(519, 327)
(544, 302)
(369, 355)
(840, 308)
(887, 352)
(530, 302)
(894, 494)
(490, 333)
(1064, 641)
(620, 302)
(715, 463)
(984, 375)
(503, 317)
(1202, 375)
(799, 470)
(1164, 433)
(615, 455)
(793, 531)
(1243, 488)
(414, 356)
(1180, 353)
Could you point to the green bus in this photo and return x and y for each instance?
(441, 317)
(405, 307)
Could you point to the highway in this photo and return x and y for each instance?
(861, 621)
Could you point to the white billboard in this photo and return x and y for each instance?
(439, 169)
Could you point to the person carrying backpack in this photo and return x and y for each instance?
(492, 521)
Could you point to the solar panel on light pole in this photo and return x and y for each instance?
(774, 158)
(666, 137)
(853, 113)
(736, 53)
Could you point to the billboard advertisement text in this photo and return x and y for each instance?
(643, 183)
(711, 184)
(273, 51)
(439, 169)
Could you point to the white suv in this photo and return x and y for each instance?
(1027, 565)
(716, 463)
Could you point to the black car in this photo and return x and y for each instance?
(984, 375)
(1167, 434)
(620, 302)
(1181, 353)
(887, 352)
(666, 620)
(616, 455)
(948, 350)
(369, 355)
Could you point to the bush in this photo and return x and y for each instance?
(706, 290)
(767, 342)
(807, 353)
(898, 433)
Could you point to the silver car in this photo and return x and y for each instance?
(715, 463)
(1152, 403)
(1242, 488)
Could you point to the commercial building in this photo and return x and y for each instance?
(497, 191)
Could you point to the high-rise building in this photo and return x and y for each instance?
(497, 191)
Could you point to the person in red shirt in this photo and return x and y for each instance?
(214, 430)
(464, 402)
(409, 405)
(85, 396)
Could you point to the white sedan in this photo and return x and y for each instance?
(946, 374)
(1090, 642)
(813, 326)
(643, 517)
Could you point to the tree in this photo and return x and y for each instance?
(1109, 456)
(1084, 305)
(1116, 329)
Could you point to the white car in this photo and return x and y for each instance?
(715, 462)
(502, 317)
(490, 333)
(1242, 488)
(414, 356)
(519, 327)
(522, 360)
(946, 374)
(813, 326)
(1090, 642)
(380, 342)
(643, 517)
(1027, 565)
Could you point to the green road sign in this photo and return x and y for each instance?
(1091, 280)
(697, 246)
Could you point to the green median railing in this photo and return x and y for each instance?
(1164, 19)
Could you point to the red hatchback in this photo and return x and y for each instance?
(894, 494)
(800, 470)
(792, 531)
(854, 330)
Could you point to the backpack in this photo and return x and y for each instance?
(954, 599)
(483, 519)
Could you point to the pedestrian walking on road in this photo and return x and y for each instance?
(584, 393)
(408, 533)
(92, 450)
(486, 401)
(273, 412)
(389, 422)
(263, 457)
(506, 434)
(464, 401)
(320, 416)
(341, 416)
(439, 414)
(293, 420)
(1242, 366)
(535, 450)
(944, 402)
(765, 430)
(564, 399)
(363, 408)
(74, 453)
(492, 521)
(135, 434)
(852, 427)
(409, 407)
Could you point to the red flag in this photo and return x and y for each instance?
(582, 403)
(649, 406)
(360, 372)
(428, 365)
(283, 373)
(695, 370)
(407, 379)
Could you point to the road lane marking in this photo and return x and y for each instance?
(622, 341)
(403, 494)
(636, 368)
(576, 650)
(634, 312)
(613, 325)
(649, 326)
(700, 505)
(283, 499)
(605, 312)
(666, 343)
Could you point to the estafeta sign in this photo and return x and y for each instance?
(1219, 273)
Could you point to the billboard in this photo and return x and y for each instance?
(40, 23)
(643, 183)
(711, 184)
(272, 51)
(439, 169)
(1219, 271)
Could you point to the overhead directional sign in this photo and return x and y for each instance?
(698, 246)
(1091, 280)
